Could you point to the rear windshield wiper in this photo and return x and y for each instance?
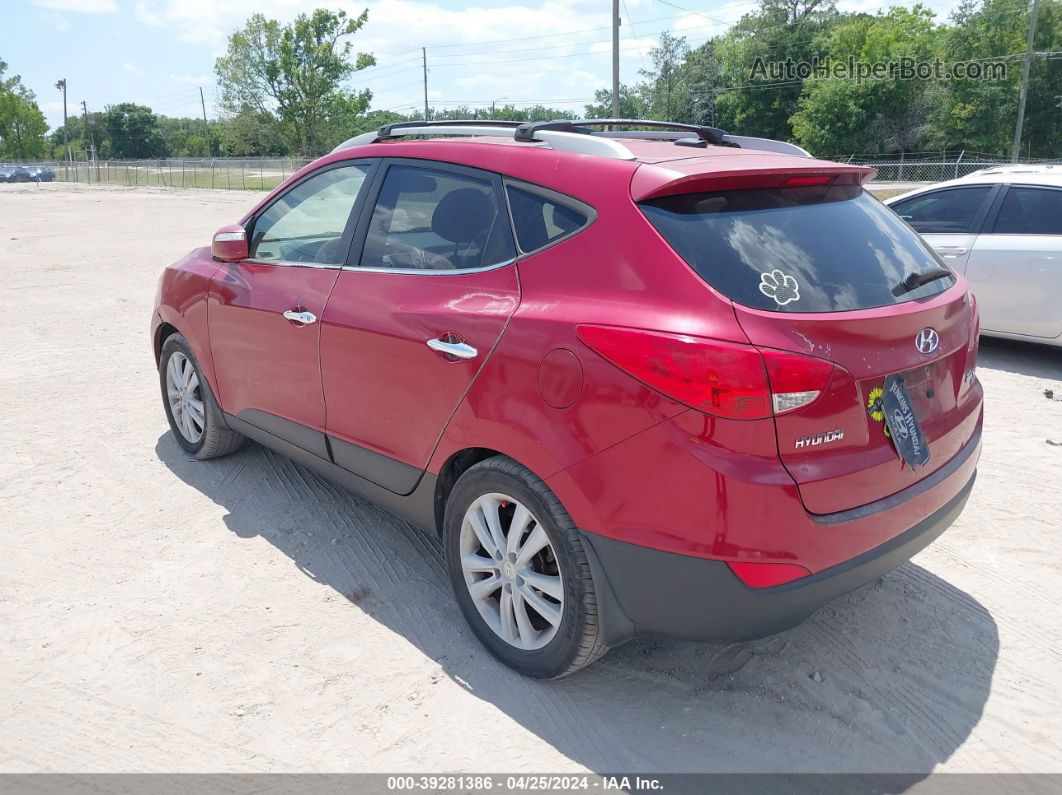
(916, 280)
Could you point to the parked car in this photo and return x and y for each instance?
(40, 173)
(14, 174)
(1002, 228)
(654, 381)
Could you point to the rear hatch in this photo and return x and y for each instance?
(816, 266)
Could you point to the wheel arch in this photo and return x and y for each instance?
(456, 465)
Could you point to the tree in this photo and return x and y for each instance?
(631, 104)
(132, 132)
(669, 90)
(845, 116)
(979, 115)
(22, 125)
(292, 74)
(252, 132)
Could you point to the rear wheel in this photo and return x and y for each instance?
(519, 571)
(195, 419)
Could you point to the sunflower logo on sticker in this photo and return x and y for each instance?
(779, 286)
(875, 407)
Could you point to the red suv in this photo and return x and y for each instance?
(642, 381)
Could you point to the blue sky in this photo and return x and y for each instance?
(159, 52)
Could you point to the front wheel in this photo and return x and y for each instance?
(195, 419)
(519, 571)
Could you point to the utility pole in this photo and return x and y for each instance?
(424, 55)
(615, 59)
(88, 127)
(1016, 150)
(206, 124)
(61, 85)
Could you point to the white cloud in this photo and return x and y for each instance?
(193, 80)
(557, 51)
(131, 68)
(85, 6)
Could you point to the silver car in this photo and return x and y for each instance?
(1002, 227)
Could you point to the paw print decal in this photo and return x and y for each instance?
(780, 286)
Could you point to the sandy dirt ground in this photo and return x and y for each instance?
(162, 614)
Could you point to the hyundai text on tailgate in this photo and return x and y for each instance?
(641, 377)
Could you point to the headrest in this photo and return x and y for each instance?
(462, 215)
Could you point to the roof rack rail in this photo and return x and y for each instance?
(567, 141)
(577, 135)
(528, 130)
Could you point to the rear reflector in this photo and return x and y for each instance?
(767, 575)
(725, 379)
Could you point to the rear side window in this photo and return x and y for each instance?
(1030, 211)
(943, 212)
(541, 220)
(808, 249)
(431, 219)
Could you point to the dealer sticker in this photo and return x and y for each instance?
(903, 425)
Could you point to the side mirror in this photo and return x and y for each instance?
(230, 244)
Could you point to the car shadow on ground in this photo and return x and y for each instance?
(1023, 358)
(891, 678)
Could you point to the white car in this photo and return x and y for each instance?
(1002, 227)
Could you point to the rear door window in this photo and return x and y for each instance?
(806, 249)
(1030, 211)
(436, 219)
(944, 212)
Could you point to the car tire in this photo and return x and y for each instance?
(545, 649)
(195, 419)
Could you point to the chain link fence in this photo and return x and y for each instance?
(267, 173)
(224, 173)
(922, 168)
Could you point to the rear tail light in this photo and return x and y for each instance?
(795, 380)
(726, 379)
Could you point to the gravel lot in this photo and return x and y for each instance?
(161, 614)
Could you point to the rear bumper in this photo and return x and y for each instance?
(644, 591)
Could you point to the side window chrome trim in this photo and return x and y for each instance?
(553, 196)
(430, 271)
(286, 264)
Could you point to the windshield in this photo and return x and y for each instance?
(806, 249)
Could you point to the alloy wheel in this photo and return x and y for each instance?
(511, 571)
(186, 397)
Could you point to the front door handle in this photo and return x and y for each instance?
(303, 317)
(451, 346)
(951, 251)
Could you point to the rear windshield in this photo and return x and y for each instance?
(806, 249)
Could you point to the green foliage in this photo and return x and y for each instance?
(872, 116)
(631, 104)
(293, 75)
(717, 83)
(22, 125)
(132, 131)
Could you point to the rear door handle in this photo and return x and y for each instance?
(459, 350)
(303, 318)
(951, 251)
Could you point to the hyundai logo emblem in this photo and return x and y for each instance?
(927, 340)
